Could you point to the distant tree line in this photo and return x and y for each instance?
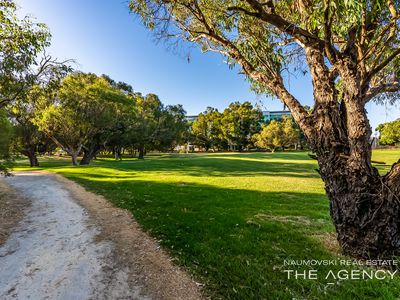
(242, 127)
(45, 105)
(86, 114)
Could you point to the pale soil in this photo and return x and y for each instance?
(72, 244)
(12, 209)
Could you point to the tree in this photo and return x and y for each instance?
(389, 133)
(291, 133)
(61, 125)
(337, 42)
(6, 134)
(239, 122)
(270, 136)
(83, 116)
(22, 111)
(277, 134)
(147, 113)
(206, 129)
(22, 41)
(173, 128)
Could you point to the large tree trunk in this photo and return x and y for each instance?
(31, 154)
(74, 158)
(141, 152)
(89, 153)
(74, 154)
(365, 207)
(33, 161)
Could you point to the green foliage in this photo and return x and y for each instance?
(206, 129)
(6, 134)
(239, 122)
(155, 126)
(21, 41)
(173, 128)
(269, 38)
(147, 114)
(278, 134)
(91, 113)
(389, 133)
(86, 108)
(232, 219)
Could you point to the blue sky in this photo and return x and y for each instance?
(106, 39)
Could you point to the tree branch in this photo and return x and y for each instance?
(382, 65)
(382, 88)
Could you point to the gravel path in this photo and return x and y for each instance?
(61, 250)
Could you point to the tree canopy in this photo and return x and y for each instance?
(84, 111)
(206, 129)
(351, 51)
(278, 134)
(23, 60)
(389, 133)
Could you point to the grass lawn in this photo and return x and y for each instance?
(232, 219)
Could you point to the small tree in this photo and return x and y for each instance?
(291, 133)
(278, 134)
(389, 133)
(270, 136)
(173, 128)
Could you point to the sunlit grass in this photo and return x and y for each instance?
(232, 219)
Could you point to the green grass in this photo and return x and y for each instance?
(232, 219)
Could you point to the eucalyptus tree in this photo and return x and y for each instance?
(6, 135)
(147, 114)
(23, 60)
(173, 128)
(24, 108)
(83, 116)
(206, 129)
(351, 51)
(239, 122)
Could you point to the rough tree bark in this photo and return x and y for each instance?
(90, 152)
(365, 206)
(31, 154)
(30, 151)
(141, 152)
(74, 158)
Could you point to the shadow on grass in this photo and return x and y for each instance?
(216, 166)
(202, 166)
(236, 241)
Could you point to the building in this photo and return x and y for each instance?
(191, 119)
(275, 115)
(267, 115)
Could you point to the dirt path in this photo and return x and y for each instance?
(72, 244)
